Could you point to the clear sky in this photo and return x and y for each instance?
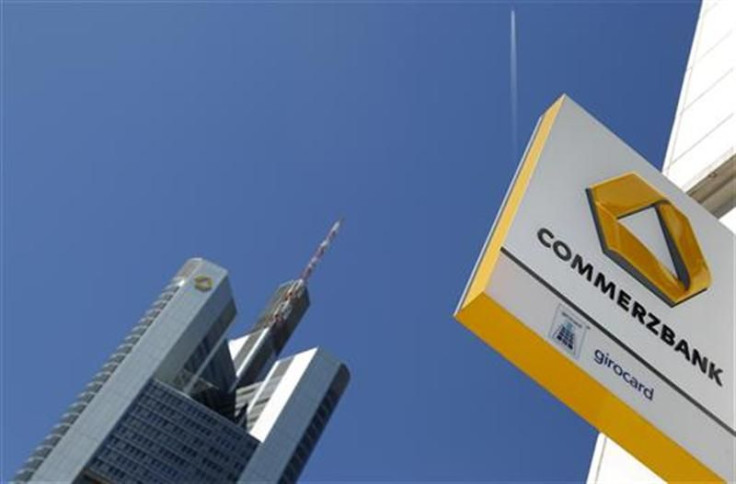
(138, 134)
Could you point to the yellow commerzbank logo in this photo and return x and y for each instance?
(627, 194)
(203, 283)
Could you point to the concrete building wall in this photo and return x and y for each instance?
(704, 130)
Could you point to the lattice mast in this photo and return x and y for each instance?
(283, 308)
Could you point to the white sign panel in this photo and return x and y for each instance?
(615, 291)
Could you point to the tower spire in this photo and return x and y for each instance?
(320, 252)
(285, 306)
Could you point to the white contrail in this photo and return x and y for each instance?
(514, 90)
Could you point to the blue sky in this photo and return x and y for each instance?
(138, 134)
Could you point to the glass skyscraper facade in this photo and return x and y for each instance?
(180, 402)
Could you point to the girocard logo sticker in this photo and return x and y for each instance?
(619, 197)
(567, 332)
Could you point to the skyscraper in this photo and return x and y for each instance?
(179, 402)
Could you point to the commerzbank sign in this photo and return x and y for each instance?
(615, 291)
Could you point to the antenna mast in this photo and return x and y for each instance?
(285, 306)
(320, 252)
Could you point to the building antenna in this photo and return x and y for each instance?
(283, 309)
(320, 252)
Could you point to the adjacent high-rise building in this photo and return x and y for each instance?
(179, 402)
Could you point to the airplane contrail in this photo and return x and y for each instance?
(514, 90)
